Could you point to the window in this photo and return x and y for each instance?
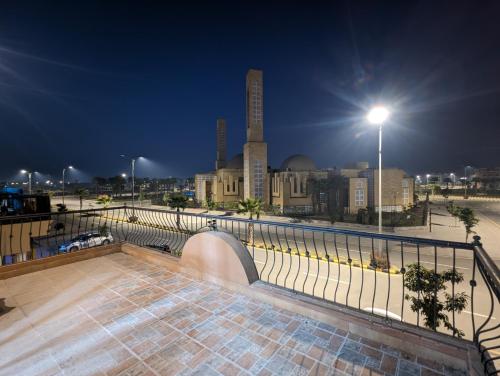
(406, 192)
(258, 179)
(359, 194)
(256, 101)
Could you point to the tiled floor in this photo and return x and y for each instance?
(116, 316)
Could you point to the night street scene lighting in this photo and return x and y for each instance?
(263, 188)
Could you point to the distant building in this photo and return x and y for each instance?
(487, 178)
(298, 186)
(221, 144)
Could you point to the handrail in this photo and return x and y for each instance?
(398, 238)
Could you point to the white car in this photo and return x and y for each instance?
(91, 239)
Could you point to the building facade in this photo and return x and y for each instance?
(297, 186)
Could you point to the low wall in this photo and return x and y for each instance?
(14, 270)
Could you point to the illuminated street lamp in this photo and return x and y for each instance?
(377, 116)
(132, 168)
(427, 179)
(465, 177)
(124, 175)
(29, 179)
(63, 176)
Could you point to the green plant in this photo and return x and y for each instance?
(454, 210)
(103, 230)
(468, 218)
(104, 200)
(429, 286)
(165, 198)
(61, 208)
(81, 193)
(59, 226)
(177, 202)
(250, 206)
(211, 204)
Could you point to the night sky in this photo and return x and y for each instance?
(82, 83)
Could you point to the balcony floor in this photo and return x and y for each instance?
(115, 315)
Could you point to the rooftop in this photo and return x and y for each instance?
(118, 315)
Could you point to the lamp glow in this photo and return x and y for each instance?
(378, 115)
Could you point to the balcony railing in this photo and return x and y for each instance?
(450, 288)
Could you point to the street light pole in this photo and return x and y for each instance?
(377, 116)
(63, 182)
(29, 179)
(63, 176)
(380, 186)
(465, 177)
(132, 167)
(133, 186)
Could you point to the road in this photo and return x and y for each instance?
(355, 286)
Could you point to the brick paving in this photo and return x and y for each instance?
(114, 315)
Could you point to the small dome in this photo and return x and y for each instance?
(298, 162)
(236, 162)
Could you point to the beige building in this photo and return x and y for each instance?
(298, 186)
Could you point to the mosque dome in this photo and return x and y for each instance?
(298, 162)
(236, 162)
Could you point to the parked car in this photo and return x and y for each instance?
(91, 239)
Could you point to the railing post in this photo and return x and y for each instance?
(477, 241)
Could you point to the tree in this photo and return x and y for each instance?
(468, 218)
(142, 196)
(428, 285)
(211, 204)
(117, 183)
(81, 193)
(61, 208)
(104, 200)
(103, 230)
(250, 206)
(99, 183)
(454, 210)
(165, 198)
(177, 202)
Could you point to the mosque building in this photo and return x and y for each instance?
(298, 186)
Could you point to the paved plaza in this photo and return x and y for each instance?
(115, 315)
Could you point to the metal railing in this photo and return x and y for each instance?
(450, 288)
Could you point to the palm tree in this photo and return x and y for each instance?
(177, 202)
(81, 193)
(104, 200)
(250, 206)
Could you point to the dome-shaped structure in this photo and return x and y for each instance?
(236, 162)
(298, 162)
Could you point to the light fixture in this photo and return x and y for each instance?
(378, 115)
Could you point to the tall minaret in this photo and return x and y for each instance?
(221, 144)
(255, 150)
